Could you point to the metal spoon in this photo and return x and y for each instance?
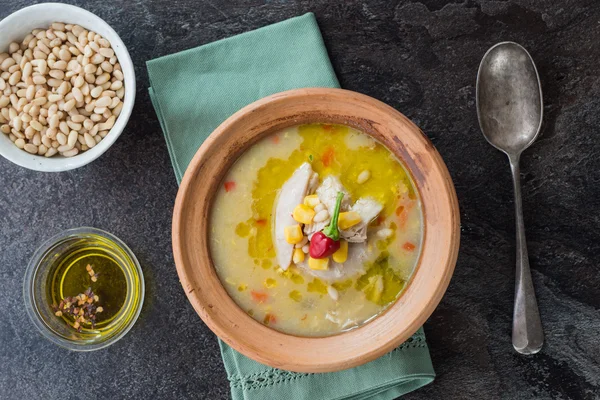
(509, 108)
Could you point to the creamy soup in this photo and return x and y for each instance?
(276, 248)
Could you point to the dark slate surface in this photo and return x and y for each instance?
(421, 58)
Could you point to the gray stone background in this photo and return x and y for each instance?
(419, 57)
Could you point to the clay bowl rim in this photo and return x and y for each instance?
(355, 347)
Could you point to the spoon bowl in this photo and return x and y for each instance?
(509, 98)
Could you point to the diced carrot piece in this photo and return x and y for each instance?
(303, 318)
(408, 246)
(402, 218)
(229, 186)
(327, 157)
(402, 213)
(275, 139)
(261, 222)
(259, 297)
(328, 128)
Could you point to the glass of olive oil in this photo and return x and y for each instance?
(78, 261)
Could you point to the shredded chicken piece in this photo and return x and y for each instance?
(368, 209)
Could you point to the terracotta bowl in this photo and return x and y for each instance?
(349, 349)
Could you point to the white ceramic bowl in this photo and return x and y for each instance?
(14, 28)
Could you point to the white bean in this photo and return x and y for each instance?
(53, 123)
(79, 81)
(77, 118)
(118, 74)
(320, 207)
(55, 83)
(96, 92)
(385, 233)
(117, 109)
(333, 293)
(64, 147)
(51, 133)
(72, 139)
(64, 128)
(363, 177)
(31, 148)
(61, 138)
(70, 153)
(114, 102)
(103, 101)
(108, 53)
(46, 141)
(89, 140)
(27, 70)
(62, 65)
(6, 64)
(106, 66)
(17, 123)
(319, 217)
(30, 92)
(69, 105)
(116, 85)
(36, 125)
(97, 59)
(50, 152)
(53, 98)
(13, 47)
(14, 78)
(39, 80)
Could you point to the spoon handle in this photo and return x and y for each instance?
(527, 333)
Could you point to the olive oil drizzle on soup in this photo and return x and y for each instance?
(242, 226)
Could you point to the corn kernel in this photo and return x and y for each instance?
(320, 264)
(312, 201)
(303, 214)
(298, 256)
(296, 296)
(341, 255)
(348, 219)
(270, 283)
(293, 234)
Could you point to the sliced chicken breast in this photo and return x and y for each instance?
(292, 193)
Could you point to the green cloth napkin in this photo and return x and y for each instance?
(193, 92)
